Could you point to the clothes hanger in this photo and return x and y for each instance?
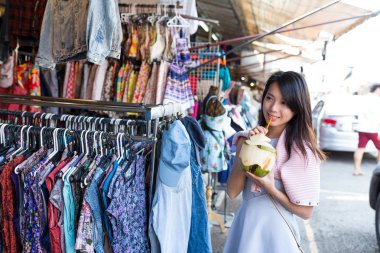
(12, 156)
(177, 21)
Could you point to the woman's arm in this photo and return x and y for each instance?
(236, 180)
(267, 182)
(305, 212)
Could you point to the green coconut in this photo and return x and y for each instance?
(257, 155)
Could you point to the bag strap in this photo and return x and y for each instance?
(287, 223)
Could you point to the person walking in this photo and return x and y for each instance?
(368, 127)
(266, 220)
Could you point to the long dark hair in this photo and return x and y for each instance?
(299, 129)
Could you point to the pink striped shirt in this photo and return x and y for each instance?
(299, 175)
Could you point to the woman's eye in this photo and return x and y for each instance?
(268, 98)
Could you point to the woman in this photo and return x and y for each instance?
(294, 180)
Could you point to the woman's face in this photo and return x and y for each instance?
(275, 106)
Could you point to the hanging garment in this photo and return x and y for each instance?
(157, 49)
(70, 82)
(56, 42)
(86, 74)
(132, 85)
(92, 197)
(28, 78)
(108, 82)
(54, 233)
(224, 75)
(125, 82)
(171, 207)
(119, 84)
(25, 19)
(135, 43)
(178, 88)
(150, 94)
(99, 81)
(212, 156)
(79, 79)
(161, 82)
(142, 81)
(193, 84)
(7, 196)
(91, 80)
(127, 210)
(181, 53)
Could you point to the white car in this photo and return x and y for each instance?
(334, 120)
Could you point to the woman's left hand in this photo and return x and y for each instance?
(266, 182)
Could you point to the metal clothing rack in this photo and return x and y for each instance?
(152, 114)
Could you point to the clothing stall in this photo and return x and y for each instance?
(93, 155)
(97, 153)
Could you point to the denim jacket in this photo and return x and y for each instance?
(72, 30)
(103, 30)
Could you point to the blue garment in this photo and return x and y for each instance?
(212, 156)
(200, 240)
(106, 201)
(68, 216)
(224, 75)
(95, 30)
(92, 197)
(127, 210)
(101, 23)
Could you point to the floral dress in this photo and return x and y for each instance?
(212, 156)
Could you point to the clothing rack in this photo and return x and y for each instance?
(152, 114)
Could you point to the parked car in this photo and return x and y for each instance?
(334, 120)
(374, 199)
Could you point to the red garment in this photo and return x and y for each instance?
(54, 230)
(25, 19)
(364, 138)
(193, 84)
(70, 83)
(26, 82)
(8, 200)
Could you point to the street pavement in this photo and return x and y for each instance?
(343, 221)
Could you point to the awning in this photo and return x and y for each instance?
(248, 17)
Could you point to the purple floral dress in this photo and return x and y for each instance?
(127, 210)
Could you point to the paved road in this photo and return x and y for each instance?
(344, 221)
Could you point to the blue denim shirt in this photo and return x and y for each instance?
(72, 30)
(102, 24)
(199, 240)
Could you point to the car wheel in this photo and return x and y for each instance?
(377, 223)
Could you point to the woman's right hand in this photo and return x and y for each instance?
(258, 130)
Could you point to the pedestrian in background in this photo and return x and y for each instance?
(368, 127)
(294, 182)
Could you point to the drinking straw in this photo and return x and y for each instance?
(270, 121)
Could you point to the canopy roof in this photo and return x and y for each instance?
(250, 17)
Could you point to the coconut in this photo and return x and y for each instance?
(257, 155)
